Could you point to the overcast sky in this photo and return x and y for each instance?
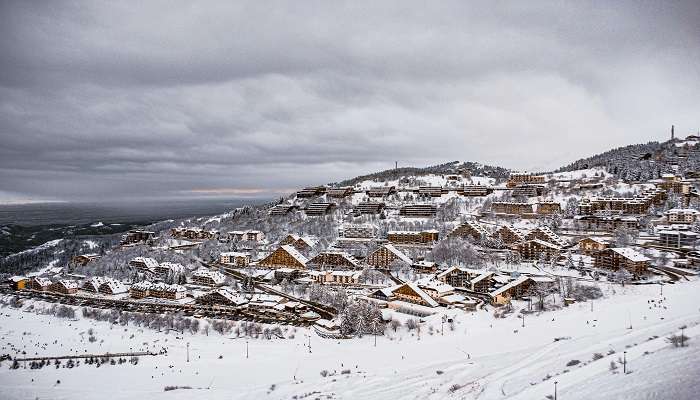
(141, 99)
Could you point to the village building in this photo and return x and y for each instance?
(527, 190)
(430, 191)
(169, 268)
(381, 191)
(169, 292)
(470, 230)
(140, 290)
(236, 258)
(411, 293)
(93, 284)
(207, 277)
(591, 245)
(511, 208)
(474, 190)
(682, 215)
(303, 244)
(678, 239)
(384, 294)
(144, 264)
(622, 257)
(537, 249)
(548, 207)
(84, 259)
(252, 235)
(384, 256)
(468, 278)
(607, 223)
(517, 179)
(339, 277)
(194, 233)
(509, 235)
(284, 256)
(514, 289)
(311, 192)
(319, 208)
(112, 287)
(339, 192)
(40, 284)
(64, 286)
(546, 234)
(279, 210)
(369, 208)
(418, 210)
(19, 282)
(435, 289)
(358, 231)
(334, 260)
(138, 236)
(424, 267)
(223, 297)
(425, 237)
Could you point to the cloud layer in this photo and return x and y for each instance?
(118, 99)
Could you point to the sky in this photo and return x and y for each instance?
(111, 100)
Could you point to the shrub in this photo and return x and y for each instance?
(597, 356)
(324, 373)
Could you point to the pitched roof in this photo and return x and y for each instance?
(421, 293)
(398, 253)
(295, 254)
(630, 254)
(510, 285)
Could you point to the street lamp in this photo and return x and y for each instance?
(555, 390)
(246, 348)
(624, 362)
(523, 318)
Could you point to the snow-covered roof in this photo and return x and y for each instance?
(144, 285)
(398, 253)
(295, 254)
(509, 286)
(114, 286)
(546, 244)
(630, 254)
(216, 276)
(68, 284)
(421, 293)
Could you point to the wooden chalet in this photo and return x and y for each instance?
(509, 235)
(621, 257)
(311, 192)
(281, 210)
(339, 192)
(418, 210)
(334, 260)
(470, 230)
(546, 234)
(411, 293)
(605, 223)
(93, 284)
(514, 289)
(536, 249)
(473, 279)
(528, 190)
(369, 208)
(144, 264)
(251, 235)
(474, 190)
(548, 207)
(138, 236)
(682, 215)
(39, 283)
(591, 245)
(284, 256)
(358, 231)
(19, 282)
(84, 259)
(517, 179)
(413, 237)
(112, 287)
(385, 255)
(221, 296)
(206, 277)
(236, 258)
(319, 208)
(431, 191)
(140, 290)
(63, 286)
(381, 191)
(512, 208)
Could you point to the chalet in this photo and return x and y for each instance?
(144, 264)
(236, 258)
(169, 268)
(93, 284)
(465, 277)
(526, 190)
(509, 235)
(418, 210)
(138, 236)
(369, 208)
(622, 257)
(84, 259)
(339, 192)
(435, 289)
(311, 192)
(19, 282)
(514, 289)
(638, 204)
(221, 296)
(385, 294)
(605, 223)
(512, 208)
(359, 231)
(381, 191)
(319, 208)
(411, 293)
(341, 277)
(536, 249)
(474, 190)
(517, 179)
(424, 266)
(546, 234)
(64, 286)
(413, 237)
(548, 207)
(170, 292)
(289, 274)
(281, 209)
(207, 277)
(248, 236)
(284, 256)
(140, 290)
(678, 239)
(591, 245)
(682, 215)
(303, 244)
(334, 260)
(39, 284)
(112, 287)
(385, 255)
(194, 233)
(430, 191)
(481, 283)
(470, 230)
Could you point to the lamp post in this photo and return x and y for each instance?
(523, 318)
(624, 362)
(188, 351)
(555, 390)
(246, 348)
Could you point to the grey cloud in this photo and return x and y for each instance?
(99, 99)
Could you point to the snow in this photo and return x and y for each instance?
(97, 224)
